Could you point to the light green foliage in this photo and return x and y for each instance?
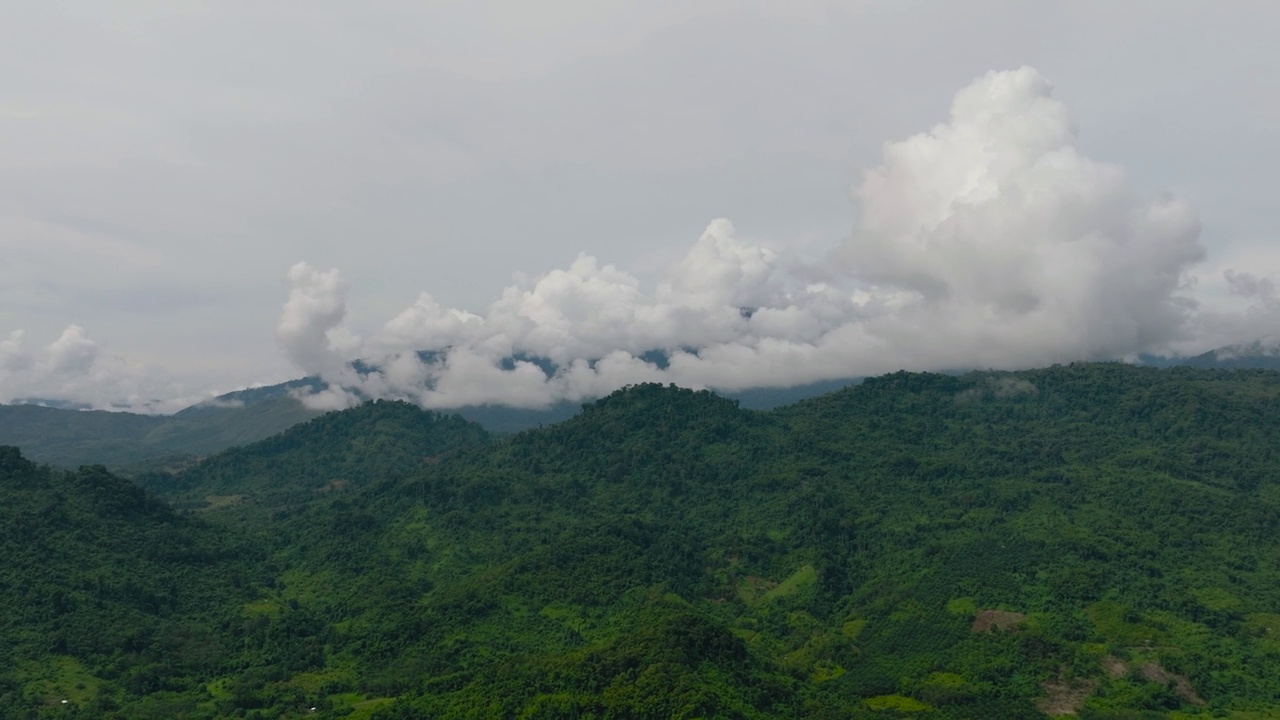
(1216, 598)
(896, 703)
(852, 629)
(801, 580)
(57, 678)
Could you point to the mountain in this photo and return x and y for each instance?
(69, 436)
(122, 440)
(1101, 539)
(254, 396)
(1257, 354)
(74, 437)
(1261, 354)
(66, 434)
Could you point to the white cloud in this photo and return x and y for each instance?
(989, 241)
(310, 326)
(12, 359)
(1018, 248)
(74, 368)
(73, 353)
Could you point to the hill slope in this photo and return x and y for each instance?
(380, 440)
(1099, 539)
(128, 441)
(109, 596)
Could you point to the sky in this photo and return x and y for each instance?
(201, 196)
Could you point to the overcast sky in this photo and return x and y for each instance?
(165, 166)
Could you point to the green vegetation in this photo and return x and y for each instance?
(333, 453)
(1096, 539)
(108, 595)
(132, 442)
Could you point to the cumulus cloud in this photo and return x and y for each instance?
(74, 369)
(988, 241)
(12, 359)
(73, 353)
(310, 328)
(1010, 246)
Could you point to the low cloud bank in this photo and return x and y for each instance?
(988, 241)
(74, 370)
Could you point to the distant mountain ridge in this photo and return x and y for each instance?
(129, 441)
(67, 434)
(1260, 354)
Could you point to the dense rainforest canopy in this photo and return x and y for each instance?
(1096, 538)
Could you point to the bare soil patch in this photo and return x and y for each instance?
(1065, 697)
(1114, 666)
(1182, 686)
(998, 619)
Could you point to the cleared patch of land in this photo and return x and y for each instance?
(998, 619)
(1156, 674)
(1065, 697)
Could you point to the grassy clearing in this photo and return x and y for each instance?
(801, 579)
(60, 678)
(217, 502)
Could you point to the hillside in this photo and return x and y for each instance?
(338, 451)
(1099, 539)
(1264, 353)
(110, 597)
(129, 441)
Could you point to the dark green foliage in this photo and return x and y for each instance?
(107, 593)
(1098, 537)
(380, 440)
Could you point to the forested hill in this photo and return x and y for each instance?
(128, 441)
(108, 594)
(1096, 538)
(381, 440)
